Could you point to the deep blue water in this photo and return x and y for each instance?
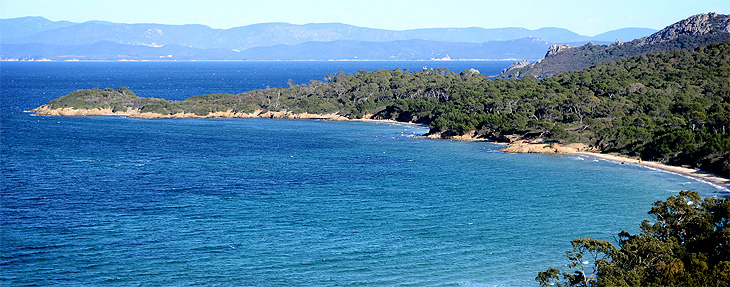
(257, 202)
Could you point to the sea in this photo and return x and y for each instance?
(114, 201)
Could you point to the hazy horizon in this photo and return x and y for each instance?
(327, 23)
(585, 18)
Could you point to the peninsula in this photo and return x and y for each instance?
(671, 107)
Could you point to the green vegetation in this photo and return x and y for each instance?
(118, 100)
(672, 107)
(688, 244)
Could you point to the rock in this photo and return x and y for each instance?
(555, 49)
(432, 136)
(507, 138)
(696, 25)
(538, 146)
(471, 71)
(469, 136)
(72, 112)
(520, 64)
(516, 66)
(465, 137)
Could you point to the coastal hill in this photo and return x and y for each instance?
(672, 107)
(400, 50)
(42, 31)
(692, 32)
(531, 48)
(38, 38)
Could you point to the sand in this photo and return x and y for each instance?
(718, 181)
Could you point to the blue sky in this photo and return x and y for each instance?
(587, 17)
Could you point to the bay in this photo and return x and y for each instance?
(260, 202)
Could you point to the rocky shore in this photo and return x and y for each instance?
(71, 112)
(539, 146)
(130, 113)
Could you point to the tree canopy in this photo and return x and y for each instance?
(686, 244)
(672, 107)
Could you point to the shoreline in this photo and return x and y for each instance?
(137, 114)
(520, 146)
(540, 147)
(717, 181)
(388, 122)
(44, 60)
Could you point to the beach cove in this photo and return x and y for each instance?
(540, 147)
(109, 200)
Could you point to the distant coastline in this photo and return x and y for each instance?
(312, 60)
(39, 38)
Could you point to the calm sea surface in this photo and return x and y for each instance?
(110, 201)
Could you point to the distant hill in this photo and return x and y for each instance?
(11, 29)
(532, 48)
(400, 50)
(624, 34)
(480, 35)
(104, 51)
(37, 37)
(690, 33)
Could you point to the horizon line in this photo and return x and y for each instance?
(319, 23)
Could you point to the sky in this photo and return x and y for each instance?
(586, 17)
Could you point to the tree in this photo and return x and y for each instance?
(558, 133)
(687, 244)
(586, 259)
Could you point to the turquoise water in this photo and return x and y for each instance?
(258, 202)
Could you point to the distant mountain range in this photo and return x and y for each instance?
(687, 34)
(37, 37)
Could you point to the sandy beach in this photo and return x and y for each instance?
(538, 146)
(720, 182)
